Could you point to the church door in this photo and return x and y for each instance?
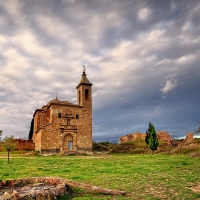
(68, 142)
(70, 145)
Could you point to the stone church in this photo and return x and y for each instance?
(61, 126)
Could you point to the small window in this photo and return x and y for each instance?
(68, 122)
(77, 116)
(86, 94)
(59, 115)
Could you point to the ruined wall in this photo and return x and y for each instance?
(22, 145)
(25, 144)
(189, 138)
(164, 137)
(132, 137)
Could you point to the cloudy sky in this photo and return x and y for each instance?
(142, 56)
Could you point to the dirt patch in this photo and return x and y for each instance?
(196, 188)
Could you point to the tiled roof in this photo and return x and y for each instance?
(84, 80)
(59, 102)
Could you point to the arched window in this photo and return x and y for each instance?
(86, 94)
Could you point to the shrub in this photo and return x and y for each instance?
(101, 146)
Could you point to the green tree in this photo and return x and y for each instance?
(31, 129)
(147, 137)
(153, 140)
(9, 144)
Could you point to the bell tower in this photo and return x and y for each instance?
(84, 100)
(84, 92)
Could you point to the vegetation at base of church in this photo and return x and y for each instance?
(164, 177)
(8, 145)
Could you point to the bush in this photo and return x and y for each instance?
(36, 152)
(137, 146)
(101, 146)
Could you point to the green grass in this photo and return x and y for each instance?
(160, 177)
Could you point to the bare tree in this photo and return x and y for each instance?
(174, 135)
(197, 131)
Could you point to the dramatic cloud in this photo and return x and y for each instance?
(169, 85)
(144, 13)
(141, 56)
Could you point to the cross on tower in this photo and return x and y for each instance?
(84, 68)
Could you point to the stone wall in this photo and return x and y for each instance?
(25, 144)
(22, 145)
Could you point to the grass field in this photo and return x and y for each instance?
(143, 177)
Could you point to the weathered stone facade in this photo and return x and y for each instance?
(61, 126)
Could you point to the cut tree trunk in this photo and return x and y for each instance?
(94, 188)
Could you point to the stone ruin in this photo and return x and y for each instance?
(189, 138)
(163, 136)
(132, 137)
(41, 188)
